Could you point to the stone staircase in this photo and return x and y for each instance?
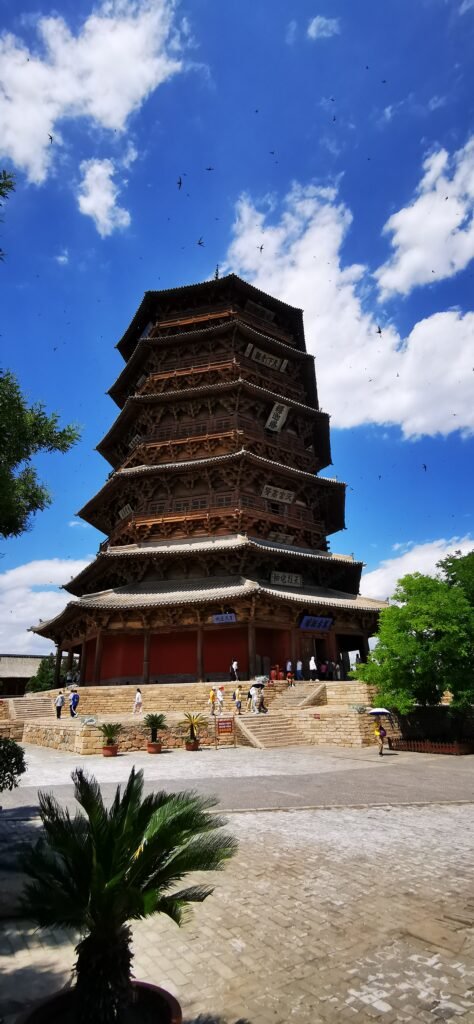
(34, 705)
(276, 729)
(301, 695)
(117, 701)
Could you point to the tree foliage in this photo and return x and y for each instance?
(12, 763)
(7, 185)
(458, 570)
(106, 866)
(25, 431)
(425, 645)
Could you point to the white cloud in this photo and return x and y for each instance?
(467, 5)
(323, 28)
(63, 257)
(362, 377)
(79, 522)
(436, 102)
(131, 154)
(25, 598)
(120, 54)
(433, 237)
(381, 583)
(97, 197)
(291, 32)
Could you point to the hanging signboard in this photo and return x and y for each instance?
(289, 579)
(320, 622)
(278, 494)
(125, 511)
(222, 617)
(264, 358)
(277, 417)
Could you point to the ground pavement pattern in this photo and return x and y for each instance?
(332, 914)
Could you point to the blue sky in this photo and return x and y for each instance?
(340, 137)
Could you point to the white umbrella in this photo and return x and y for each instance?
(379, 711)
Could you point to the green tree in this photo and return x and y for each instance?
(99, 870)
(424, 648)
(12, 763)
(24, 432)
(44, 678)
(7, 185)
(458, 570)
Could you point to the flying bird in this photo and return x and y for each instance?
(379, 329)
(209, 168)
(272, 152)
(260, 248)
(50, 137)
(200, 242)
(179, 182)
(424, 466)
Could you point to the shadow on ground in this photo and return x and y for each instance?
(210, 1018)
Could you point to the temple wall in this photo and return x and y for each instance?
(173, 654)
(220, 647)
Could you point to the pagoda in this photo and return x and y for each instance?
(215, 515)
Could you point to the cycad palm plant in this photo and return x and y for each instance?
(99, 870)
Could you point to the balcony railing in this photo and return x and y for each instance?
(233, 502)
(200, 317)
(247, 368)
(221, 425)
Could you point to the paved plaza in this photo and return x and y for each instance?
(350, 900)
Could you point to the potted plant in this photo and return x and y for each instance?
(105, 867)
(154, 721)
(193, 722)
(110, 731)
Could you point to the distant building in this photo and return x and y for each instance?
(15, 671)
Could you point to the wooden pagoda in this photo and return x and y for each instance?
(215, 515)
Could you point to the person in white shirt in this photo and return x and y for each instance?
(220, 699)
(299, 671)
(59, 704)
(313, 671)
(138, 702)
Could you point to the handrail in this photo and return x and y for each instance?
(182, 369)
(202, 428)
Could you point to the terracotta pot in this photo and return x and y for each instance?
(153, 747)
(52, 1011)
(192, 744)
(110, 750)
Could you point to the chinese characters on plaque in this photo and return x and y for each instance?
(277, 417)
(320, 622)
(290, 579)
(278, 494)
(218, 620)
(265, 359)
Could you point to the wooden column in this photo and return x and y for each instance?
(364, 648)
(57, 666)
(146, 657)
(251, 646)
(331, 646)
(199, 653)
(97, 659)
(82, 669)
(294, 646)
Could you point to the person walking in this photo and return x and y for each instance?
(212, 699)
(380, 734)
(253, 699)
(59, 704)
(299, 671)
(237, 698)
(73, 702)
(138, 702)
(312, 669)
(234, 671)
(220, 700)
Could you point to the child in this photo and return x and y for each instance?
(212, 700)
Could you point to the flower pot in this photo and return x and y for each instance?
(192, 744)
(153, 747)
(156, 1001)
(110, 750)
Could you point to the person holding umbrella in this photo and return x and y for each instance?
(379, 731)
